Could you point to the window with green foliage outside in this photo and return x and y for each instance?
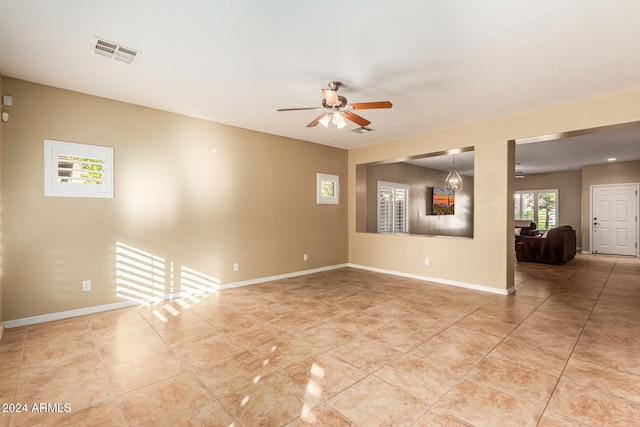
(327, 190)
(539, 206)
(77, 170)
(80, 170)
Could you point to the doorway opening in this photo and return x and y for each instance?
(577, 162)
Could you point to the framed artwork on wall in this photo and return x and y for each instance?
(444, 201)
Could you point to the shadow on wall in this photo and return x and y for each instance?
(146, 278)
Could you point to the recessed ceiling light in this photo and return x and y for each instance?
(611, 159)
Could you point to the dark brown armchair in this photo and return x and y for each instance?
(526, 227)
(558, 247)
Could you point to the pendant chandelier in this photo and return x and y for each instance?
(453, 182)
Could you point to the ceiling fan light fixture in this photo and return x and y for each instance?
(338, 120)
(337, 110)
(324, 121)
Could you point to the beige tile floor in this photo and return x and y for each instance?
(346, 347)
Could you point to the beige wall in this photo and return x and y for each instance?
(487, 259)
(569, 185)
(608, 173)
(1, 239)
(252, 201)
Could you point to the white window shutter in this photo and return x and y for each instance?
(393, 207)
(77, 170)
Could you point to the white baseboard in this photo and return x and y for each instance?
(438, 280)
(124, 304)
(66, 314)
(282, 276)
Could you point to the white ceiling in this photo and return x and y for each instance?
(557, 152)
(442, 63)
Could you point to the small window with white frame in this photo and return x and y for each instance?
(77, 170)
(328, 189)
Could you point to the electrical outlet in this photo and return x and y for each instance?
(86, 285)
(305, 257)
(236, 266)
(427, 261)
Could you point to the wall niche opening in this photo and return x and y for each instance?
(408, 196)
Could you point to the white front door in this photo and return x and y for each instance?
(614, 219)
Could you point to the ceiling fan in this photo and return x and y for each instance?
(335, 109)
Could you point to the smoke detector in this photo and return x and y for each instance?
(107, 49)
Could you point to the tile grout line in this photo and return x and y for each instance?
(575, 344)
(566, 291)
(502, 340)
(474, 366)
(486, 355)
(15, 392)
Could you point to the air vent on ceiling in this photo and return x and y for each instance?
(362, 130)
(114, 51)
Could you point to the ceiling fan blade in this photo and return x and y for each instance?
(300, 109)
(356, 118)
(330, 97)
(369, 105)
(315, 121)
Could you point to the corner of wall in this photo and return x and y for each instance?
(151, 216)
(511, 189)
(1, 239)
